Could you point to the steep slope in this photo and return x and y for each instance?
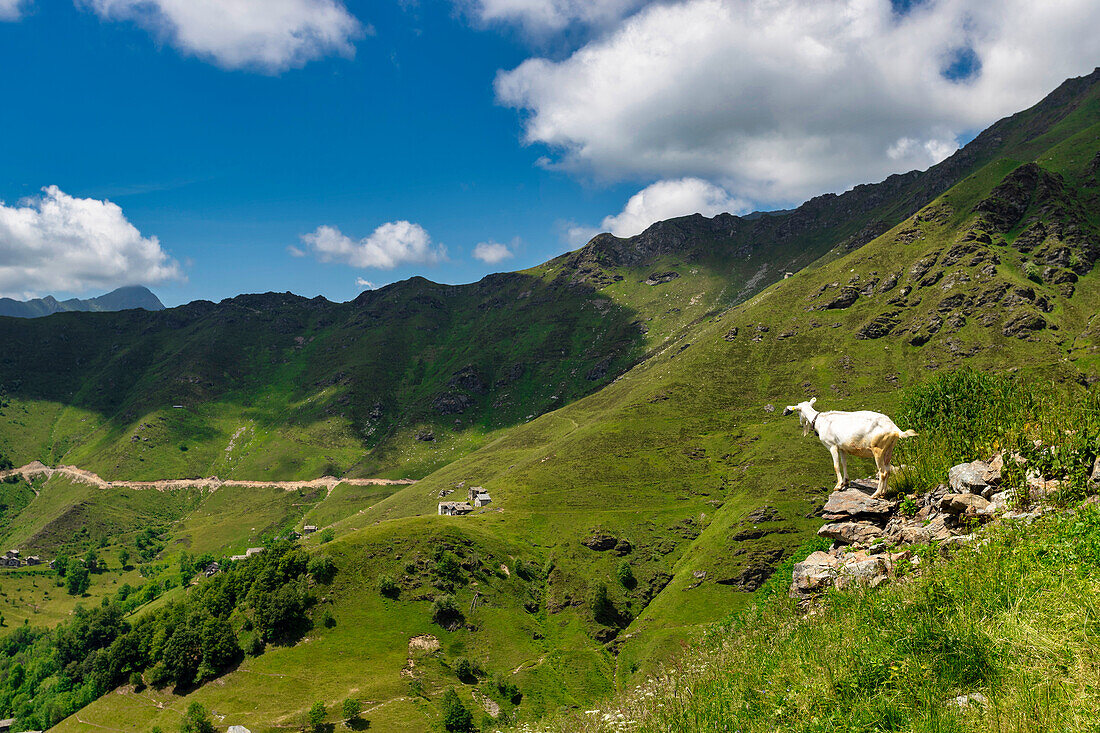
(655, 505)
(135, 296)
(276, 386)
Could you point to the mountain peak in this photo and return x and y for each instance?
(124, 298)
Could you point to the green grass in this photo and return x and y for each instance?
(1012, 618)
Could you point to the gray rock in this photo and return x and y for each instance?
(974, 699)
(963, 504)
(855, 503)
(862, 569)
(1094, 477)
(849, 533)
(968, 477)
(814, 574)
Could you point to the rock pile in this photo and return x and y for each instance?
(870, 535)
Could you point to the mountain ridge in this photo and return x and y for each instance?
(124, 298)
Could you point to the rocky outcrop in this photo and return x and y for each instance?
(870, 535)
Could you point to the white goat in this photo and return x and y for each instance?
(865, 434)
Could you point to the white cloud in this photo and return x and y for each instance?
(392, 244)
(778, 101)
(667, 199)
(539, 17)
(363, 284)
(9, 9)
(59, 243)
(492, 252)
(269, 35)
(659, 201)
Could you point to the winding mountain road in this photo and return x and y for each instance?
(212, 483)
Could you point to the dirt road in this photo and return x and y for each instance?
(211, 483)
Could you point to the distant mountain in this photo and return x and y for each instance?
(135, 296)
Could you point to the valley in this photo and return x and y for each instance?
(621, 403)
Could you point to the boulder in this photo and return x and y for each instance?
(855, 503)
(623, 547)
(1094, 477)
(600, 542)
(862, 569)
(850, 533)
(970, 504)
(969, 477)
(917, 532)
(814, 574)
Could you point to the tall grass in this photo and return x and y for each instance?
(964, 415)
(1014, 619)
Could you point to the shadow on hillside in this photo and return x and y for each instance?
(414, 354)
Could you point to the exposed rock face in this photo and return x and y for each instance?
(452, 403)
(846, 298)
(968, 504)
(601, 542)
(850, 533)
(659, 278)
(815, 574)
(763, 514)
(855, 503)
(968, 477)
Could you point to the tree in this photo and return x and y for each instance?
(456, 717)
(328, 534)
(351, 709)
(183, 654)
(322, 569)
(197, 720)
(77, 578)
(317, 717)
(124, 558)
(91, 561)
(625, 574)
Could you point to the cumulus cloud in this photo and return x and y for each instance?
(492, 252)
(392, 244)
(9, 9)
(364, 284)
(268, 35)
(539, 17)
(659, 201)
(56, 242)
(778, 101)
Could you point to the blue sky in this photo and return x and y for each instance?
(527, 125)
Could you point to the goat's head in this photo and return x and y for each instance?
(802, 408)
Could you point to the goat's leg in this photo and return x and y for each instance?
(844, 465)
(836, 467)
(882, 463)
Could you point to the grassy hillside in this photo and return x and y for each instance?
(630, 519)
(276, 386)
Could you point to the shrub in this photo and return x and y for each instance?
(466, 671)
(387, 587)
(328, 534)
(625, 574)
(507, 689)
(447, 567)
(197, 720)
(323, 569)
(456, 717)
(327, 619)
(599, 603)
(445, 612)
(351, 709)
(317, 717)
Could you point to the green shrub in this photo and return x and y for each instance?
(625, 574)
(387, 587)
(445, 612)
(456, 716)
(323, 569)
(351, 709)
(197, 720)
(317, 717)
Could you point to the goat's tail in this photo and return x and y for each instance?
(907, 434)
